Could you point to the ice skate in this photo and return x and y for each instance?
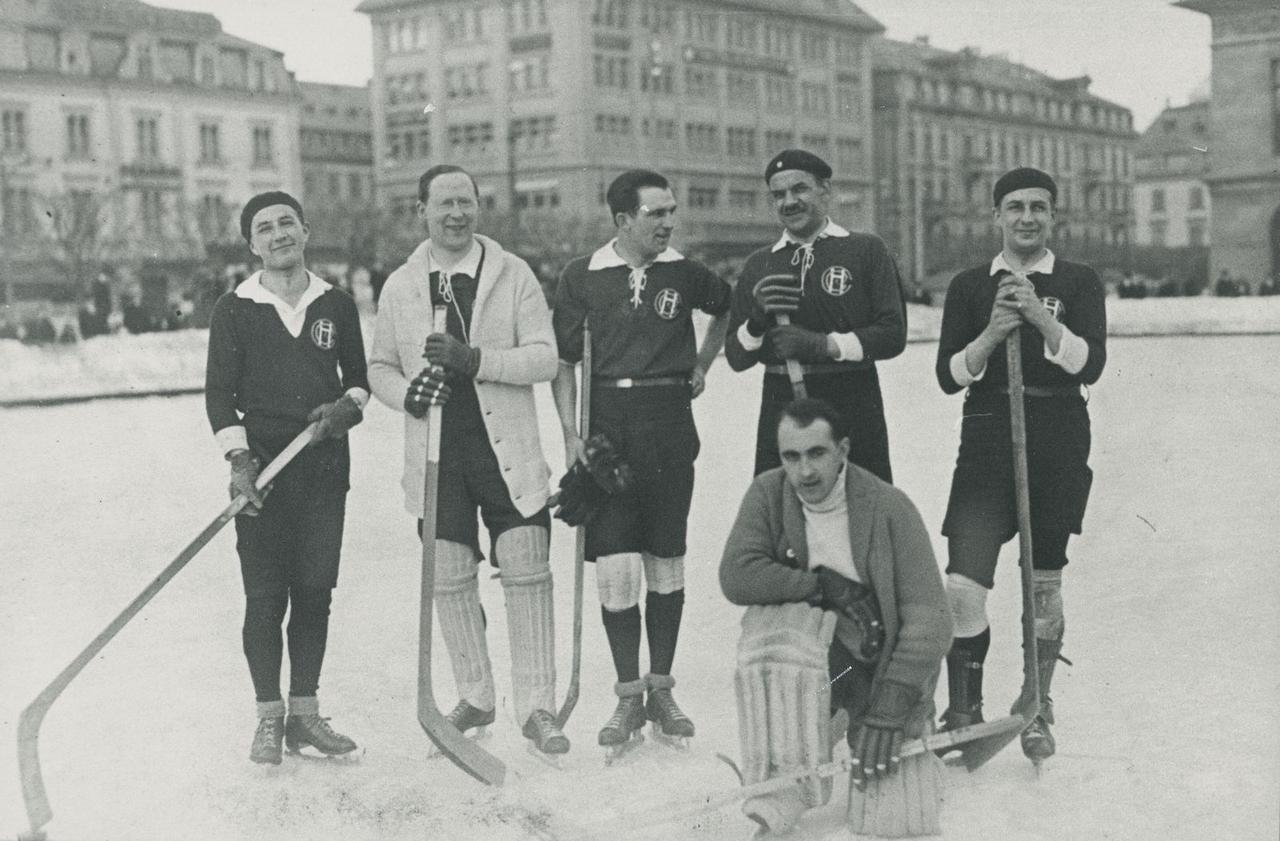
(624, 730)
(1037, 740)
(470, 721)
(670, 725)
(310, 730)
(267, 739)
(547, 742)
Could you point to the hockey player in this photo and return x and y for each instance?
(284, 350)
(844, 299)
(822, 533)
(637, 294)
(498, 344)
(1059, 307)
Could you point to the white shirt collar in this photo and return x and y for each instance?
(1042, 266)
(607, 257)
(293, 317)
(468, 265)
(829, 229)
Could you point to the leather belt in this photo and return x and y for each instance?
(1045, 391)
(639, 382)
(818, 368)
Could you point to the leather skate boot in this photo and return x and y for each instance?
(304, 727)
(541, 729)
(964, 681)
(1037, 740)
(466, 717)
(628, 717)
(662, 710)
(266, 748)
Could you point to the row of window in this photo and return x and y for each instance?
(330, 185)
(326, 142)
(1020, 103)
(1195, 198)
(154, 212)
(1197, 232)
(937, 143)
(181, 62)
(147, 146)
(458, 25)
(738, 142)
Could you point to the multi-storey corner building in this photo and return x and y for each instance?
(547, 100)
(337, 170)
(1244, 136)
(129, 136)
(1170, 164)
(948, 123)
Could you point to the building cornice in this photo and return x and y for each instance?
(67, 83)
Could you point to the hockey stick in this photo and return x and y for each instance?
(33, 793)
(795, 372)
(464, 753)
(580, 544)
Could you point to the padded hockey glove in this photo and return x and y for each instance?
(857, 603)
(772, 294)
(791, 342)
(244, 477)
(452, 355)
(336, 418)
(428, 388)
(585, 487)
(875, 745)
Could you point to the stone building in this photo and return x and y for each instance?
(547, 100)
(1244, 106)
(948, 123)
(336, 147)
(129, 137)
(1170, 194)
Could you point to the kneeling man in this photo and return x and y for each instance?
(821, 534)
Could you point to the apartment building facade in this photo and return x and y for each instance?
(1170, 192)
(336, 148)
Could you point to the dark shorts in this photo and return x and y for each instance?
(981, 511)
(653, 429)
(297, 537)
(471, 479)
(854, 394)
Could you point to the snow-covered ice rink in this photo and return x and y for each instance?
(1168, 725)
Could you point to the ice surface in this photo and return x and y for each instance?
(1167, 721)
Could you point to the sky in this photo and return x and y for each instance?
(1140, 53)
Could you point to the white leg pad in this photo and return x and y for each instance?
(526, 582)
(618, 578)
(462, 623)
(663, 575)
(904, 804)
(968, 600)
(783, 693)
(1047, 586)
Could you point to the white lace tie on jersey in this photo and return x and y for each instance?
(803, 257)
(636, 282)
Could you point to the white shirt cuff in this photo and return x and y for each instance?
(748, 341)
(960, 370)
(1073, 352)
(849, 347)
(359, 395)
(231, 438)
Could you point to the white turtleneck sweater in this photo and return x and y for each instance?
(826, 526)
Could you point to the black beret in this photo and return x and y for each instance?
(1022, 178)
(267, 199)
(797, 159)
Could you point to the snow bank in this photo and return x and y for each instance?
(173, 362)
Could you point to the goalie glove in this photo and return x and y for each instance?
(585, 487)
(857, 603)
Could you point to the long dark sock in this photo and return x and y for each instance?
(662, 613)
(623, 630)
(264, 643)
(964, 671)
(308, 635)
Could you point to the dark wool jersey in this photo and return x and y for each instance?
(459, 298)
(257, 370)
(1080, 300)
(649, 334)
(852, 286)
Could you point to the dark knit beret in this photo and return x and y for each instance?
(267, 199)
(1022, 178)
(797, 159)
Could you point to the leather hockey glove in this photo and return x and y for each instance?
(875, 746)
(791, 342)
(426, 389)
(857, 603)
(584, 488)
(452, 355)
(336, 418)
(772, 294)
(244, 477)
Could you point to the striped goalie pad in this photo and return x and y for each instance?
(904, 804)
(784, 695)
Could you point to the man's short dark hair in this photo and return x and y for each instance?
(623, 195)
(424, 183)
(806, 410)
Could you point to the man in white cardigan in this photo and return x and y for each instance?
(498, 344)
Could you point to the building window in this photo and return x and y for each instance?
(740, 32)
(611, 71)
(847, 52)
(213, 217)
(178, 61)
(610, 13)
(614, 124)
(741, 142)
(152, 206)
(849, 155)
(779, 94)
(743, 199)
(1275, 106)
(234, 65)
(106, 52)
(701, 83)
(819, 144)
(1158, 232)
(210, 143)
(703, 198)
(660, 129)
(77, 135)
(815, 99)
(848, 101)
(43, 51)
(263, 150)
(1157, 200)
(535, 134)
(538, 199)
(778, 40)
(468, 80)
(776, 141)
(702, 138)
(658, 17)
(147, 138)
(526, 16)
(16, 216)
(814, 46)
(530, 73)
(14, 125)
(470, 138)
(744, 89)
(657, 78)
(460, 26)
(1195, 199)
(1196, 230)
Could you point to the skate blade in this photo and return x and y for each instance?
(475, 734)
(614, 753)
(553, 760)
(680, 743)
(315, 755)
